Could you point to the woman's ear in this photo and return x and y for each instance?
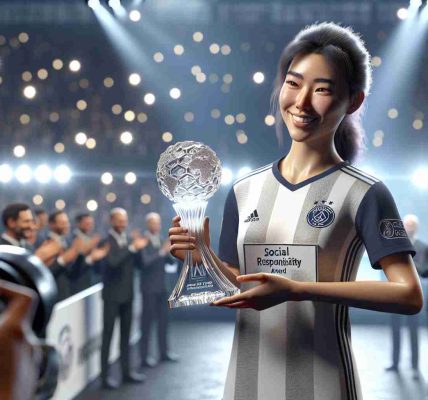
(356, 102)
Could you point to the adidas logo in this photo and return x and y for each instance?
(254, 216)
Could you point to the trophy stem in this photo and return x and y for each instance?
(200, 281)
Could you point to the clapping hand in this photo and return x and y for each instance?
(48, 251)
(99, 253)
(140, 242)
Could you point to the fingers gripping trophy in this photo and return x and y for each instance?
(189, 173)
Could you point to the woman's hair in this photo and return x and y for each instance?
(345, 49)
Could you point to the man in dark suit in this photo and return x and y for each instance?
(67, 266)
(118, 280)
(153, 289)
(41, 220)
(411, 224)
(84, 230)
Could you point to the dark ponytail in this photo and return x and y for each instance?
(345, 49)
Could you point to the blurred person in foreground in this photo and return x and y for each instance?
(20, 354)
(154, 291)
(411, 224)
(118, 292)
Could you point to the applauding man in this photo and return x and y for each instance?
(118, 279)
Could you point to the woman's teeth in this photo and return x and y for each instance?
(303, 119)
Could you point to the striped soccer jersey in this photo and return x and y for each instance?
(302, 350)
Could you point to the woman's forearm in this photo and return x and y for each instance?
(390, 297)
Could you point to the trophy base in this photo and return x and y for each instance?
(197, 298)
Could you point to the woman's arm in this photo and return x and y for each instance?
(401, 294)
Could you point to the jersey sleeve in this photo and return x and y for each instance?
(380, 227)
(228, 251)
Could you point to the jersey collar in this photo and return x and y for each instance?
(292, 186)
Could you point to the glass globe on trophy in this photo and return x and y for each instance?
(189, 173)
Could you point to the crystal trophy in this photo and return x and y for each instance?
(189, 173)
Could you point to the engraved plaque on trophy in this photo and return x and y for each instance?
(189, 173)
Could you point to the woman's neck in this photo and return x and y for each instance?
(304, 161)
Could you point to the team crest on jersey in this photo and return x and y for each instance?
(321, 214)
(392, 229)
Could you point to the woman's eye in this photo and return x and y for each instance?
(292, 83)
(324, 90)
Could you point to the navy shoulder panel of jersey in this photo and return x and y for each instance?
(380, 226)
(229, 230)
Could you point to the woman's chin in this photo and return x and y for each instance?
(299, 135)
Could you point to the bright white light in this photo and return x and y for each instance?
(175, 93)
(134, 15)
(130, 178)
(226, 176)
(134, 79)
(43, 173)
(19, 151)
(107, 178)
(243, 171)
(149, 98)
(6, 173)
(126, 137)
(74, 65)
(62, 174)
(92, 205)
(259, 77)
(94, 4)
(420, 178)
(81, 138)
(24, 173)
(403, 13)
(114, 3)
(369, 170)
(29, 92)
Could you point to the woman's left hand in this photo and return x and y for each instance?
(272, 290)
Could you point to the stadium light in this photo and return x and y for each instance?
(6, 173)
(420, 178)
(243, 171)
(130, 178)
(43, 173)
(94, 4)
(62, 174)
(23, 173)
(226, 176)
(106, 178)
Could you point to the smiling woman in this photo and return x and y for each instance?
(292, 337)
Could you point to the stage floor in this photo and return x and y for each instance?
(204, 349)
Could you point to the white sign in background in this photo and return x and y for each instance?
(75, 328)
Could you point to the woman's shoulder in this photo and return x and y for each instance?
(359, 174)
(253, 174)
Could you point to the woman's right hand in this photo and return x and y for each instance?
(181, 241)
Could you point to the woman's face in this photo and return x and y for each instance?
(313, 99)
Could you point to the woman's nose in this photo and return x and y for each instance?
(303, 100)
